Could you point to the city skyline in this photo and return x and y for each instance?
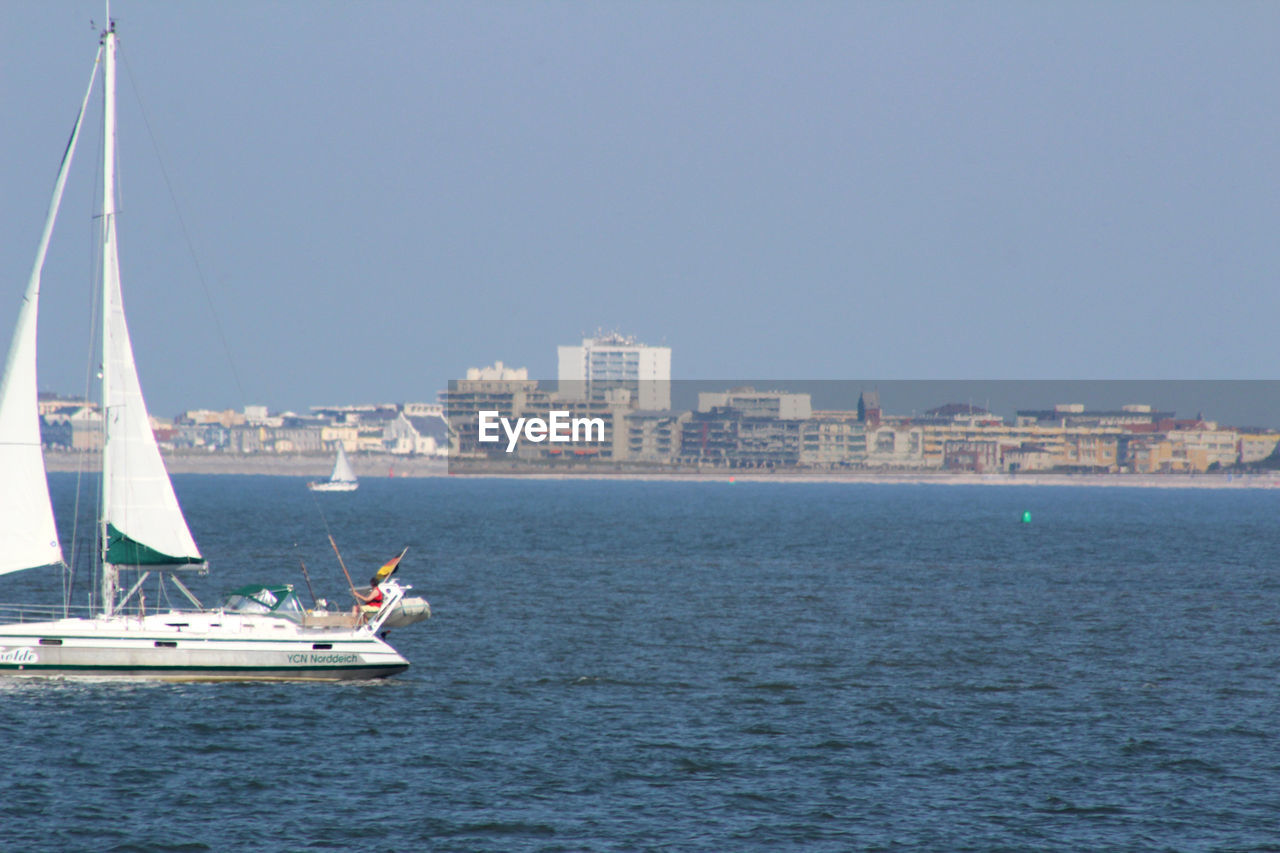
(831, 191)
(1246, 404)
(498, 414)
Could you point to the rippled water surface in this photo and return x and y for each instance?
(703, 666)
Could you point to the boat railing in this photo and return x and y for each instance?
(40, 612)
(11, 613)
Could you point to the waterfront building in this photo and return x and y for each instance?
(1256, 446)
(896, 445)
(746, 428)
(510, 394)
(1076, 415)
(980, 457)
(355, 414)
(416, 435)
(615, 360)
(250, 438)
(723, 437)
(1155, 454)
(371, 428)
(750, 403)
(424, 410)
(1028, 456)
(298, 435)
(610, 409)
(1089, 450)
(50, 403)
(498, 372)
(1069, 447)
(833, 439)
(227, 417)
(869, 408)
(1207, 447)
(208, 435)
(86, 429)
(348, 435)
(655, 435)
(965, 414)
(466, 398)
(74, 427)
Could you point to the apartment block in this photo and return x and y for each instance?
(614, 360)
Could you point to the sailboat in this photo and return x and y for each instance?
(343, 479)
(259, 633)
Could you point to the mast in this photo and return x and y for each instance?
(142, 523)
(110, 286)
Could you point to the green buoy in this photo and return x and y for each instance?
(1026, 517)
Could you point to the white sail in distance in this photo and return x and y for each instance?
(28, 534)
(342, 472)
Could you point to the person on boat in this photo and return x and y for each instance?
(371, 603)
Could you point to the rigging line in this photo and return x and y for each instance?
(186, 235)
(329, 533)
(95, 298)
(81, 458)
(320, 512)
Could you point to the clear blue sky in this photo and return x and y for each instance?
(383, 194)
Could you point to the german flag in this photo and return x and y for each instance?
(389, 567)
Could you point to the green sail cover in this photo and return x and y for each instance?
(123, 551)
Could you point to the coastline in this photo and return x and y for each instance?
(387, 466)
(315, 466)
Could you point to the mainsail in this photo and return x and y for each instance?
(28, 535)
(143, 523)
(342, 472)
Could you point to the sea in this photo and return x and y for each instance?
(698, 666)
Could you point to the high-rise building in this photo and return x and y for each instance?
(617, 361)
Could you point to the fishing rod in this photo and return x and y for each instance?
(344, 565)
(306, 576)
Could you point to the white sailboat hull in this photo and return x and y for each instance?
(333, 486)
(199, 646)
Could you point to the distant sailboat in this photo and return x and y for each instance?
(343, 479)
(259, 633)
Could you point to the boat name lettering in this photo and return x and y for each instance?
(18, 655)
(558, 427)
(329, 658)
